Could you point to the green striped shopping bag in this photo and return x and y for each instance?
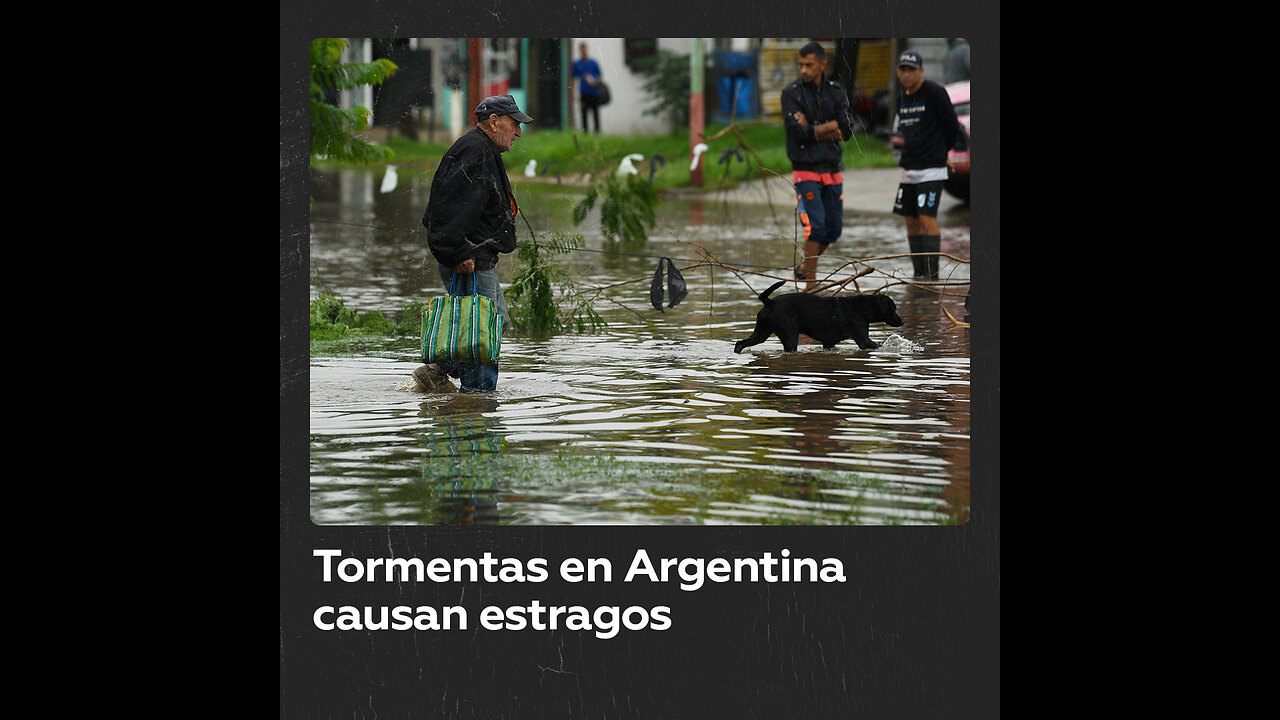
(461, 328)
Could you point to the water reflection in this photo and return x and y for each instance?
(459, 470)
(653, 420)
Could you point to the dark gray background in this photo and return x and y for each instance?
(913, 633)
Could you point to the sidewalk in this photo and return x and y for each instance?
(867, 191)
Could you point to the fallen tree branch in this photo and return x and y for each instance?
(952, 318)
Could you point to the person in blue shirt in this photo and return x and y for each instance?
(586, 77)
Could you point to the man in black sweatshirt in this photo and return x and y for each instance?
(928, 124)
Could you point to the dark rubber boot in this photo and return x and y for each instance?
(931, 244)
(921, 269)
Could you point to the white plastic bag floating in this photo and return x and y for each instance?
(697, 154)
(626, 168)
(389, 179)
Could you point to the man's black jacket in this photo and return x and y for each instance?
(820, 104)
(471, 211)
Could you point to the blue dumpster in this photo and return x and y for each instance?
(737, 85)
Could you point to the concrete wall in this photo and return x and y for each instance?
(623, 115)
(931, 50)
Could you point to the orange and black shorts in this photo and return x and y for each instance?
(821, 208)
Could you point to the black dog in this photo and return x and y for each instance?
(825, 319)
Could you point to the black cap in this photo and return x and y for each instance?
(910, 58)
(501, 105)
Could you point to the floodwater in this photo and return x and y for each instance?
(653, 419)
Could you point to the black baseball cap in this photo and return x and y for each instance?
(501, 105)
(910, 58)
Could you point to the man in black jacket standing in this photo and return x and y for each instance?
(817, 121)
(928, 124)
(470, 219)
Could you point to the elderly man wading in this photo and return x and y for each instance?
(470, 219)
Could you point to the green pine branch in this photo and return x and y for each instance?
(531, 297)
(333, 128)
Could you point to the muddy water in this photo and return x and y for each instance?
(654, 419)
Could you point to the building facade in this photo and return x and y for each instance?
(441, 79)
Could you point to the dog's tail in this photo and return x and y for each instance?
(764, 296)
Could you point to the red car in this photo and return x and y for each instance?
(958, 157)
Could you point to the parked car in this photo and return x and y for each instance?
(958, 157)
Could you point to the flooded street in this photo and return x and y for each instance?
(653, 419)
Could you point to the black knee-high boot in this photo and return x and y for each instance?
(916, 243)
(931, 244)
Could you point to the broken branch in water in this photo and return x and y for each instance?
(953, 319)
(828, 283)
